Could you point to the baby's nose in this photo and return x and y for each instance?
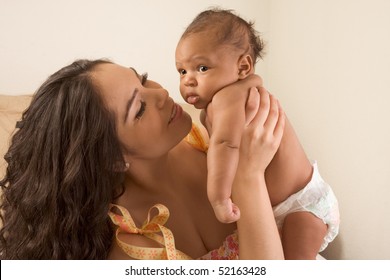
(190, 81)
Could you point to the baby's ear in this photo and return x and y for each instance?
(245, 66)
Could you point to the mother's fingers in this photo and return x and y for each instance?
(263, 109)
(262, 136)
(276, 121)
(270, 115)
(252, 105)
(279, 129)
(273, 113)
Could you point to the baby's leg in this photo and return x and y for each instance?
(290, 170)
(226, 211)
(302, 236)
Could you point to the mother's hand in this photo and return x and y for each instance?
(257, 230)
(262, 135)
(240, 90)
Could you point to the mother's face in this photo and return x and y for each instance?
(148, 122)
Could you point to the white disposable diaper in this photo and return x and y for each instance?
(318, 198)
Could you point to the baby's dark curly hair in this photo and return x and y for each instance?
(228, 28)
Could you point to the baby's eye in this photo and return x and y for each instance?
(141, 110)
(203, 68)
(182, 72)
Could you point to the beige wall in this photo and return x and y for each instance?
(328, 62)
(38, 37)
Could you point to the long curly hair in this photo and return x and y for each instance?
(62, 172)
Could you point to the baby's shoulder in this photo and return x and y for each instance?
(228, 98)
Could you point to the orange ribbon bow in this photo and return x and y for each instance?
(150, 229)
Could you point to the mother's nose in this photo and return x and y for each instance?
(162, 96)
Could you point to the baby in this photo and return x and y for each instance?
(220, 48)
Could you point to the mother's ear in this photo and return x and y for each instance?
(245, 66)
(121, 167)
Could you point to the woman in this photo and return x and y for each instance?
(98, 138)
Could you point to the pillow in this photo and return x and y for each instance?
(11, 109)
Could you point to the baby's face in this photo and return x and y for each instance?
(204, 68)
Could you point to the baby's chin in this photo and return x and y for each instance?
(197, 101)
(203, 104)
(200, 103)
(200, 106)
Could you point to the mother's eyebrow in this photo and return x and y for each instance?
(135, 71)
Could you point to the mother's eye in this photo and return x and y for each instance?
(141, 110)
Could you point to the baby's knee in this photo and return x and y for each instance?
(306, 222)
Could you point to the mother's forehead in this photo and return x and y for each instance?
(113, 79)
(114, 70)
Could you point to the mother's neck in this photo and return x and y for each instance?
(151, 174)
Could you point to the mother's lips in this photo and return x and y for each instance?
(176, 112)
(173, 113)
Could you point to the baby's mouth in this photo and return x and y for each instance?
(192, 99)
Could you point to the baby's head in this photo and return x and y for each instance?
(217, 49)
(225, 27)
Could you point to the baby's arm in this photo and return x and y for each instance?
(227, 123)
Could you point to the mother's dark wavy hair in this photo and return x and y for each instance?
(61, 173)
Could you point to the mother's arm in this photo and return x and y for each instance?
(257, 231)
